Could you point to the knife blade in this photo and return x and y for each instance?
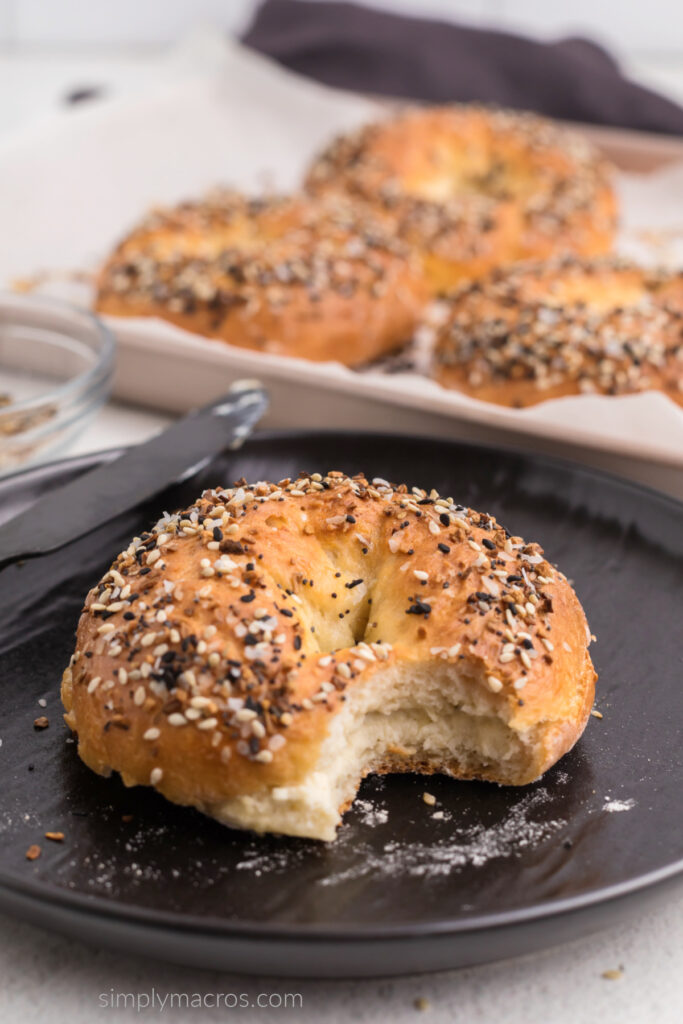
(99, 496)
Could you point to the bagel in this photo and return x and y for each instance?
(321, 280)
(472, 188)
(256, 655)
(529, 333)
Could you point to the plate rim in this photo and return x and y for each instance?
(116, 911)
(130, 913)
(95, 458)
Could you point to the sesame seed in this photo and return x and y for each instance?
(207, 724)
(151, 734)
(176, 719)
(156, 775)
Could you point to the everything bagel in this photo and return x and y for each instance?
(322, 280)
(539, 331)
(472, 188)
(259, 653)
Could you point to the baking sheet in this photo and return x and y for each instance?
(224, 115)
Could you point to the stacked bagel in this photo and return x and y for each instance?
(472, 188)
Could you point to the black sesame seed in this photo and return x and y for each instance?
(419, 608)
(445, 548)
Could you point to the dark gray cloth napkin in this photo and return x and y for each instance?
(366, 50)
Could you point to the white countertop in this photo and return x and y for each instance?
(43, 976)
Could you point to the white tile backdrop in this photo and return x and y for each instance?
(631, 26)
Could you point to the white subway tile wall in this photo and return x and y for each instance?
(630, 26)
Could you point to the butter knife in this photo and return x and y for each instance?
(176, 454)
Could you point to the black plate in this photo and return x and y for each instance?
(503, 872)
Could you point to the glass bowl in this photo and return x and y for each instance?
(56, 364)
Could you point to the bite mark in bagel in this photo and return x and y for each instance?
(258, 654)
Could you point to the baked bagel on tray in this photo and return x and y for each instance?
(317, 279)
(472, 188)
(532, 332)
(259, 653)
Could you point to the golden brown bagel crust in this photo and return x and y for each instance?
(473, 188)
(213, 657)
(568, 327)
(321, 280)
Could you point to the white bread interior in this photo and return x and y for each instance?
(425, 717)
